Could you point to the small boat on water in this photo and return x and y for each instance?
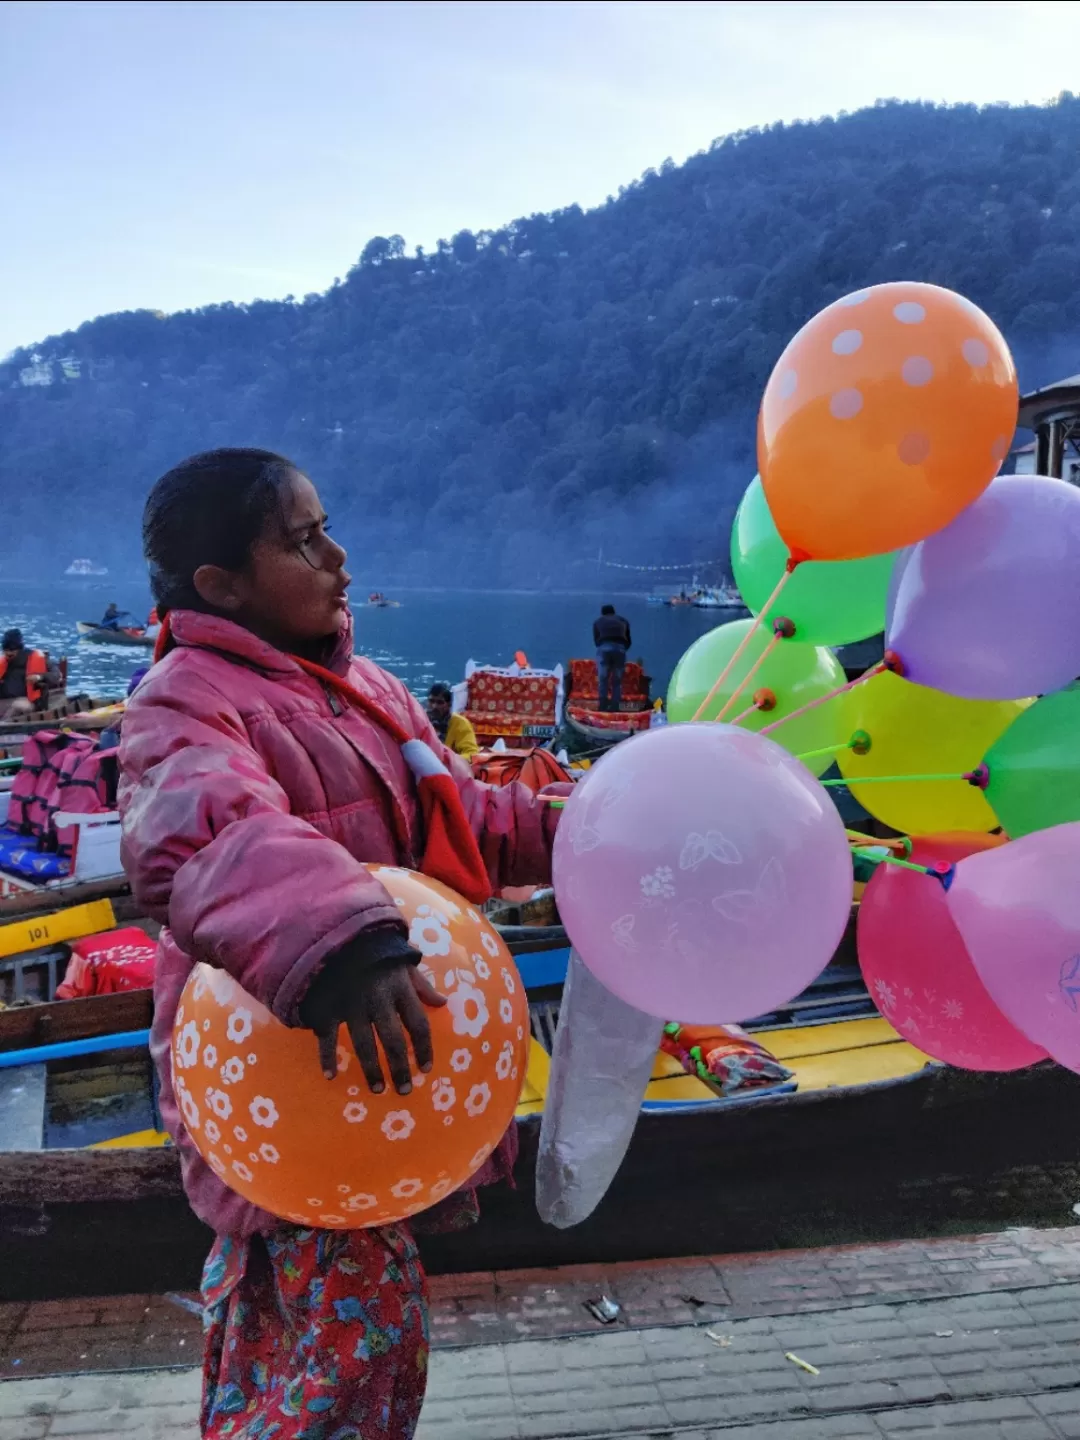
(378, 601)
(85, 568)
(724, 596)
(96, 634)
(718, 597)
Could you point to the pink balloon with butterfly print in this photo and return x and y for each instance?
(1018, 911)
(702, 873)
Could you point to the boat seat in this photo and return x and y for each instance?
(20, 856)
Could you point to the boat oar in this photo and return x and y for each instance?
(71, 1049)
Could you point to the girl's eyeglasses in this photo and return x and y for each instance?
(315, 547)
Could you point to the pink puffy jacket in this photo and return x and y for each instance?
(249, 797)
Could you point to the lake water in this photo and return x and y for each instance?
(429, 638)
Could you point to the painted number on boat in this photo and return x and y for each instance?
(70, 924)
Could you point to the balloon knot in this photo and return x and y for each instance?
(892, 661)
(783, 628)
(860, 743)
(945, 873)
(979, 777)
(764, 699)
(796, 557)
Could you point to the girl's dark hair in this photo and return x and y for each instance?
(209, 510)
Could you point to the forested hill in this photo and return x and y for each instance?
(497, 410)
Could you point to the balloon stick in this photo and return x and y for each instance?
(813, 704)
(745, 641)
(781, 631)
(859, 743)
(825, 750)
(969, 776)
(898, 842)
(764, 700)
(944, 873)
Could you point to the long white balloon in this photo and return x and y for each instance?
(601, 1062)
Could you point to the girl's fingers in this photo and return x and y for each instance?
(416, 1023)
(395, 1048)
(363, 1039)
(328, 1052)
(425, 990)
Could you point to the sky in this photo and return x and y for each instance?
(177, 153)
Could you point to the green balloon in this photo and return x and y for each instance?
(1035, 766)
(831, 602)
(793, 672)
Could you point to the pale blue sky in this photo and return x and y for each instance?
(173, 154)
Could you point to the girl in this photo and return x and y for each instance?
(261, 764)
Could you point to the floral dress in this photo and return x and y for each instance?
(323, 1334)
(314, 1335)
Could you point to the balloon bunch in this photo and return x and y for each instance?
(699, 872)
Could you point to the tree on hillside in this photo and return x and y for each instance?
(570, 374)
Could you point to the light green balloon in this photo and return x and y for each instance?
(794, 672)
(1035, 766)
(831, 602)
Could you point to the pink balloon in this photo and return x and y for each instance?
(1018, 910)
(919, 972)
(702, 873)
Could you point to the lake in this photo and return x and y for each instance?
(429, 638)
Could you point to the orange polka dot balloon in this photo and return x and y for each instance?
(329, 1153)
(888, 413)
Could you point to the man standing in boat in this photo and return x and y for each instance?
(26, 677)
(611, 636)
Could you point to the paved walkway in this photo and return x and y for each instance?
(996, 1361)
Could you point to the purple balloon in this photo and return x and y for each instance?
(702, 873)
(989, 607)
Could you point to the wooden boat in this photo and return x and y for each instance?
(587, 722)
(512, 703)
(875, 1141)
(103, 635)
(93, 870)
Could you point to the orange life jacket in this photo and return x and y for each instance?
(35, 666)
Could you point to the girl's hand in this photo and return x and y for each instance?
(385, 1000)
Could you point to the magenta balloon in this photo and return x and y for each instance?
(919, 972)
(989, 607)
(1018, 910)
(702, 873)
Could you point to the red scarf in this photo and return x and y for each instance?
(451, 853)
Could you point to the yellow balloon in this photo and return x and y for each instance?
(917, 731)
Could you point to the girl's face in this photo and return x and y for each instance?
(292, 590)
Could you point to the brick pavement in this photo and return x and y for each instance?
(987, 1367)
(992, 1354)
(134, 1331)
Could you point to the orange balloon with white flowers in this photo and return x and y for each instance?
(329, 1153)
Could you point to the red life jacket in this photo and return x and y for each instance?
(35, 667)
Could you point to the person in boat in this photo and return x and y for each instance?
(455, 731)
(611, 636)
(26, 677)
(117, 619)
(262, 763)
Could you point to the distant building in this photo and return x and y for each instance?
(40, 370)
(1054, 414)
